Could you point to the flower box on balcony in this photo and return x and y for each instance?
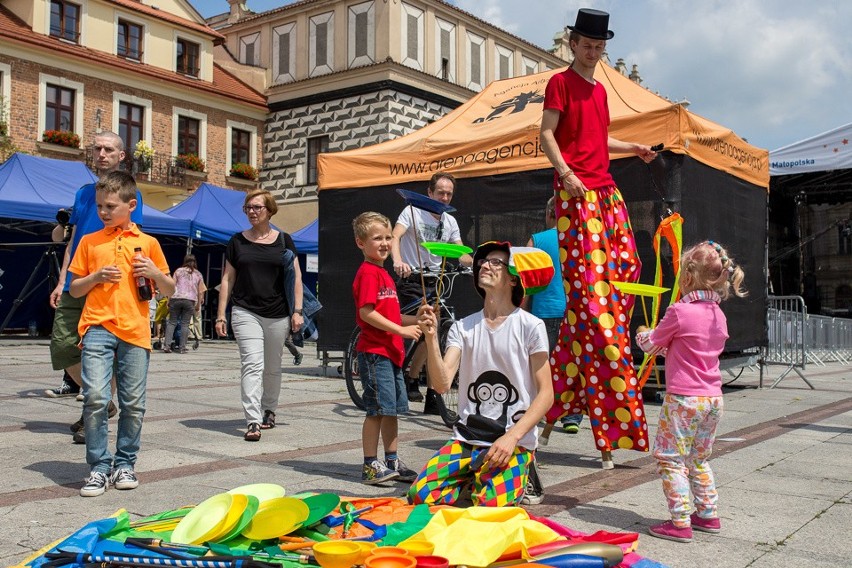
(241, 183)
(60, 149)
(193, 179)
(61, 138)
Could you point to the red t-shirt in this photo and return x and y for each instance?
(373, 285)
(583, 130)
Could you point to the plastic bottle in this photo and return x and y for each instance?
(143, 287)
(32, 328)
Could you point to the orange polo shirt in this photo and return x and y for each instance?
(116, 305)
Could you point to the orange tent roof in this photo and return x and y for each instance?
(497, 132)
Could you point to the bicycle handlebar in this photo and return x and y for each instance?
(453, 270)
(431, 293)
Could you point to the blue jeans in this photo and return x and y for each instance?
(384, 387)
(572, 419)
(179, 310)
(102, 350)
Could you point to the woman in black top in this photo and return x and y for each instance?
(260, 316)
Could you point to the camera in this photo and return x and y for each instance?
(63, 216)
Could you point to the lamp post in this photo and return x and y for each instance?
(801, 200)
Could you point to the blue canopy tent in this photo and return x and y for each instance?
(214, 213)
(34, 188)
(306, 239)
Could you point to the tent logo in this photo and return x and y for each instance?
(517, 104)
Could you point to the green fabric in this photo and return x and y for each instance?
(416, 521)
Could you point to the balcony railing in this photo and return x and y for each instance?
(165, 170)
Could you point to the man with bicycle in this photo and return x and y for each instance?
(408, 262)
(505, 388)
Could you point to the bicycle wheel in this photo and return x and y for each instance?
(353, 379)
(448, 403)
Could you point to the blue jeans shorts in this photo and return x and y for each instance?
(384, 386)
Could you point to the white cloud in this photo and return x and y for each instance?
(775, 71)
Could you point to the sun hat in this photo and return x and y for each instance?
(592, 24)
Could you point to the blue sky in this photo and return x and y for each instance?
(774, 71)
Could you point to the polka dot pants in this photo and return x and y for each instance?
(592, 364)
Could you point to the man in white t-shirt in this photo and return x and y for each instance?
(505, 388)
(431, 227)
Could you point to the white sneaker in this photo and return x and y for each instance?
(95, 485)
(531, 496)
(124, 478)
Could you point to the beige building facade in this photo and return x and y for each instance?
(342, 74)
(80, 67)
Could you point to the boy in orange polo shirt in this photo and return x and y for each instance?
(115, 329)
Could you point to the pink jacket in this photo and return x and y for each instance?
(691, 336)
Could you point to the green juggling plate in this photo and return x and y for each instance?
(320, 506)
(449, 250)
(639, 289)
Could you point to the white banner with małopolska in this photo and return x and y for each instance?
(828, 151)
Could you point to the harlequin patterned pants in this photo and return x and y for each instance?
(682, 447)
(449, 471)
(592, 365)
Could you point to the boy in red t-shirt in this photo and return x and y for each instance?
(380, 350)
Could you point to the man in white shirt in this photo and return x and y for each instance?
(505, 388)
(431, 227)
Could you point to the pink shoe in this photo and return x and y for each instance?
(669, 531)
(705, 525)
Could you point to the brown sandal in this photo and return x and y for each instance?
(253, 433)
(268, 420)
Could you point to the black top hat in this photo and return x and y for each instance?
(592, 24)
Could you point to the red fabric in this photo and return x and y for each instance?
(627, 541)
(583, 130)
(373, 285)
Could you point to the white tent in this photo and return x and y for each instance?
(824, 152)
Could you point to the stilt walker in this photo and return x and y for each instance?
(592, 362)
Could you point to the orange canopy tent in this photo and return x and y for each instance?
(713, 178)
(497, 132)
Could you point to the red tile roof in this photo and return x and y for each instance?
(138, 6)
(224, 84)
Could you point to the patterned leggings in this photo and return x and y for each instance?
(449, 471)
(682, 449)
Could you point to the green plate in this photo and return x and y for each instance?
(319, 507)
(449, 250)
(639, 289)
(245, 519)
